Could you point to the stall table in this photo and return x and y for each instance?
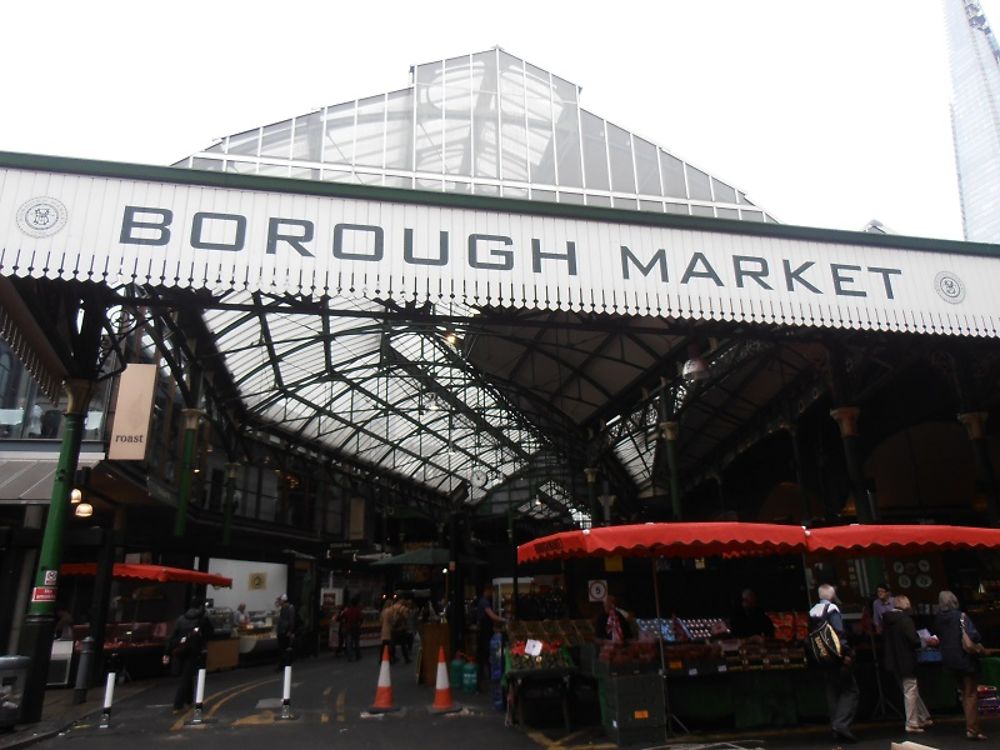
(222, 654)
(537, 683)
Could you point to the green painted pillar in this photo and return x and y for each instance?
(975, 426)
(36, 634)
(191, 417)
(230, 504)
(669, 430)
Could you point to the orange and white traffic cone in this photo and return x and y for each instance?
(383, 692)
(443, 703)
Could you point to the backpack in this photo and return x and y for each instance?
(823, 644)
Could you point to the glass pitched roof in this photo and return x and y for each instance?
(486, 123)
(400, 396)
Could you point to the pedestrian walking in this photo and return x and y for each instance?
(841, 687)
(402, 633)
(286, 632)
(486, 620)
(351, 617)
(901, 642)
(387, 621)
(186, 650)
(958, 641)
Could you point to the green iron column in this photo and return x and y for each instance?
(191, 417)
(36, 634)
(669, 432)
(230, 503)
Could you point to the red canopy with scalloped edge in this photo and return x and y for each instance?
(899, 539)
(729, 538)
(160, 573)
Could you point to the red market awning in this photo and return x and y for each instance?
(727, 538)
(899, 539)
(159, 573)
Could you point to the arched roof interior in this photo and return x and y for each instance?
(482, 397)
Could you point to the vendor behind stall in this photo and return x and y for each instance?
(612, 624)
(749, 620)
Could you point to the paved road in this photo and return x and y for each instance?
(331, 697)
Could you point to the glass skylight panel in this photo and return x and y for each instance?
(672, 168)
(276, 140)
(430, 118)
(308, 138)
(513, 135)
(723, 193)
(620, 155)
(244, 144)
(369, 133)
(399, 130)
(595, 154)
(338, 145)
(646, 168)
(484, 115)
(698, 184)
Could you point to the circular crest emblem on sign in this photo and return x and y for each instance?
(42, 217)
(949, 287)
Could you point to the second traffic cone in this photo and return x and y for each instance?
(443, 704)
(383, 692)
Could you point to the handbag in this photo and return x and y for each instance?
(823, 646)
(969, 646)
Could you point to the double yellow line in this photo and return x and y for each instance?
(221, 698)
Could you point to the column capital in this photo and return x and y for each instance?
(669, 430)
(191, 418)
(78, 394)
(591, 473)
(846, 418)
(974, 423)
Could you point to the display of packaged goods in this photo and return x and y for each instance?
(790, 626)
(703, 628)
(988, 700)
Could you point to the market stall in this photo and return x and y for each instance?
(750, 682)
(136, 644)
(634, 699)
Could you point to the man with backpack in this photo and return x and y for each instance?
(186, 650)
(829, 650)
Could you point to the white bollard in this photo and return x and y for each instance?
(286, 696)
(109, 695)
(199, 698)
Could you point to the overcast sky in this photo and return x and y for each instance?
(827, 113)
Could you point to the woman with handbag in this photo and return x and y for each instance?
(960, 650)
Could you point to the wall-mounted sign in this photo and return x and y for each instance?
(133, 413)
(597, 591)
(257, 581)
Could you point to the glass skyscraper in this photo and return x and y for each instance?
(975, 114)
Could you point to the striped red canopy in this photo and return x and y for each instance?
(668, 540)
(160, 573)
(900, 539)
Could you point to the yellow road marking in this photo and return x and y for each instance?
(324, 718)
(265, 717)
(341, 702)
(179, 724)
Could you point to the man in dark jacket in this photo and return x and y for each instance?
(841, 687)
(901, 642)
(186, 649)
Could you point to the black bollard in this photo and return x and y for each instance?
(84, 668)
